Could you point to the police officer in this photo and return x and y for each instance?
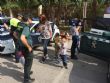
(14, 26)
(14, 22)
(26, 42)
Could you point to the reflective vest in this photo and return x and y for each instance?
(14, 22)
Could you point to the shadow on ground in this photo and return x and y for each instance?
(88, 70)
(9, 68)
(5, 71)
(51, 61)
(8, 57)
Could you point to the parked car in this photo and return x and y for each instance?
(7, 45)
(36, 36)
(96, 42)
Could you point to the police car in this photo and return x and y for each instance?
(96, 42)
(7, 45)
(36, 36)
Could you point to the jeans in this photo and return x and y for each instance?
(75, 40)
(28, 63)
(45, 44)
(64, 59)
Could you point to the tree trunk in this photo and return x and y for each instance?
(84, 15)
(94, 6)
(11, 13)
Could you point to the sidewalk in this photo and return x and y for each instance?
(86, 70)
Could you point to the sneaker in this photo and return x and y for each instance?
(47, 57)
(29, 80)
(16, 61)
(32, 79)
(31, 72)
(66, 67)
(43, 59)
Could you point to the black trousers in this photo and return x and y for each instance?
(28, 62)
(75, 40)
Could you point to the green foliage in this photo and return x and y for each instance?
(2, 2)
(27, 3)
(75, 7)
(10, 5)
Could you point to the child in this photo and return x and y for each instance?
(63, 50)
(21, 57)
(57, 45)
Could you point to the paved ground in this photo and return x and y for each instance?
(85, 70)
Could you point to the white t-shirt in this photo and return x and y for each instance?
(63, 49)
(74, 31)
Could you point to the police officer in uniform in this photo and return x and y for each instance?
(14, 26)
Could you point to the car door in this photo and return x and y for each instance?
(36, 36)
(94, 45)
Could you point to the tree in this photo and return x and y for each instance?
(9, 4)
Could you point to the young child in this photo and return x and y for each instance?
(57, 45)
(63, 50)
(21, 57)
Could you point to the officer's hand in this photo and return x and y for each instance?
(30, 49)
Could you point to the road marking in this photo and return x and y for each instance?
(90, 63)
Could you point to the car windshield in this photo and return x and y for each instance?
(102, 23)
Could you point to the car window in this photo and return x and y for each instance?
(99, 23)
(34, 27)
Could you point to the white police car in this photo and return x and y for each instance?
(7, 45)
(36, 36)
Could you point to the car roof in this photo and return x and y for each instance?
(37, 22)
(5, 18)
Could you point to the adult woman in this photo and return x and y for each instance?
(46, 32)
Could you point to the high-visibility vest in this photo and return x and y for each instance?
(14, 22)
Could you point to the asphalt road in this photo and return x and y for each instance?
(85, 70)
